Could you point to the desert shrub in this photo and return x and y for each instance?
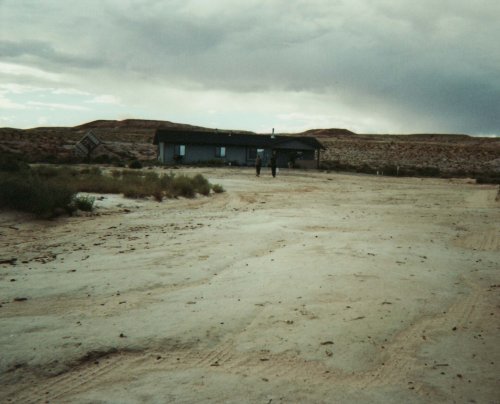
(366, 169)
(158, 195)
(428, 171)
(50, 190)
(336, 165)
(389, 169)
(49, 158)
(151, 177)
(485, 179)
(85, 203)
(95, 171)
(47, 171)
(131, 173)
(135, 164)
(102, 159)
(12, 163)
(33, 194)
(92, 179)
(218, 188)
(166, 180)
(182, 186)
(201, 184)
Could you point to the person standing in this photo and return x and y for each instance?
(258, 165)
(273, 164)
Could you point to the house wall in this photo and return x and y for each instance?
(284, 156)
(239, 154)
(201, 153)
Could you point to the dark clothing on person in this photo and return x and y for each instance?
(258, 165)
(273, 165)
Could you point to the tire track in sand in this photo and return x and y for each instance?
(401, 352)
(399, 362)
(60, 386)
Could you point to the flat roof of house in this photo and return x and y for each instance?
(218, 138)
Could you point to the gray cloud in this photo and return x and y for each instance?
(427, 64)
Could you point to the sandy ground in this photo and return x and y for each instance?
(311, 287)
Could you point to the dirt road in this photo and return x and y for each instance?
(310, 287)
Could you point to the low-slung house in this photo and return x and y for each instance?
(192, 147)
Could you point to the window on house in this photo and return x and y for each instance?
(252, 153)
(180, 150)
(220, 151)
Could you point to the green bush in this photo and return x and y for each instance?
(85, 203)
(218, 188)
(183, 186)
(485, 179)
(30, 193)
(201, 184)
(12, 163)
(50, 190)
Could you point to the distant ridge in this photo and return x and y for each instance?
(322, 133)
(146, 125)
(136, 124)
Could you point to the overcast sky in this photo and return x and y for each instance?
(371, 66)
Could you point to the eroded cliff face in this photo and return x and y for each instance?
(132, 139)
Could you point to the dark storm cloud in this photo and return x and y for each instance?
(43, 54)
(424, 64)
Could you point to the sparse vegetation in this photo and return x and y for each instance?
(28, 192)
(135, 164)
(12, 163)
(51, 190)
(85, 203)
(218, 188)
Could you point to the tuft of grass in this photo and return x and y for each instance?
(33, 194)
(201, 184)
(12, 163)
(85, 203)
(182, 186)
(218, 189)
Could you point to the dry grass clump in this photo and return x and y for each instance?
(218, 188)
(31, 193)
(49, 190)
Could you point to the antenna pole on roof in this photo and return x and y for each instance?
(272, 136)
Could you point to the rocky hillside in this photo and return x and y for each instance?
(132, 139)
(446, 154)
(122, 140)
